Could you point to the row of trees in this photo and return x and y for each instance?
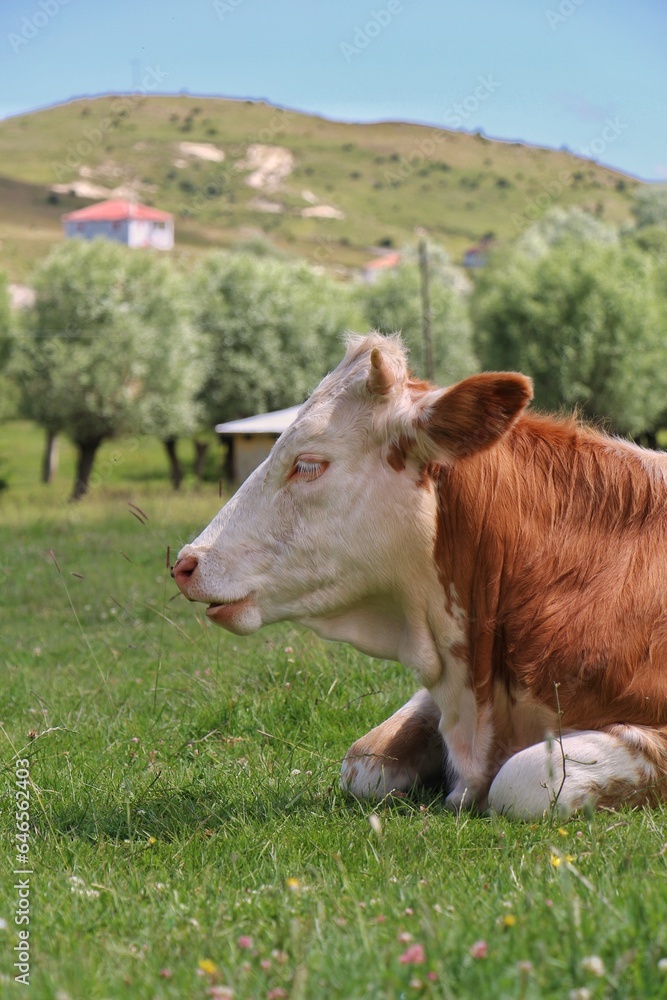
(121, 342)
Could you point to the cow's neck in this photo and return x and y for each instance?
(412, 621)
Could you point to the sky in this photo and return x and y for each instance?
(589, 75)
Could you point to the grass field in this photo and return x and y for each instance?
(187, 835)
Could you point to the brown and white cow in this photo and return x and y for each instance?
(516, 563)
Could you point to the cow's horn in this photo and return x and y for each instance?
(380, 379)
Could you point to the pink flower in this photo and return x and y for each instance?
(432, 976)
(265, 964)
(414, 955)
(244, 941)
(479, 949)
(277, 994)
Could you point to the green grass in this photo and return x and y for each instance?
(183, 778)
(388, 178)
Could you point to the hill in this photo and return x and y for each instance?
(232, 169)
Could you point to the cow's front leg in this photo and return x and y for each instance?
(404, 751)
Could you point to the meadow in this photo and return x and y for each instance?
(187, 835)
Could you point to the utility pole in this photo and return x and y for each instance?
(426, 310)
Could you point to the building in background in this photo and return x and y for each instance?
(250, 440)
(123, 221)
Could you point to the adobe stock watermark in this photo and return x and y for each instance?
(22, 871)
(216, 188)
(553, 189)
(455, 115)
(364, 34)
(224, 7)
(610, 133)
(565, 9)
(93, 136)
(459, 113)
(31, 25)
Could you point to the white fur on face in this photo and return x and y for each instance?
(348, 553)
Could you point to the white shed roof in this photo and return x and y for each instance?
(262, 423)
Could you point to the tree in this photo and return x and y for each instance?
(650, 207)
(393, 304)
(108, 349)
(6, 344)
(271, 328)
(586, 321)
(559, 225)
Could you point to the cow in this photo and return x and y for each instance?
(515, 562)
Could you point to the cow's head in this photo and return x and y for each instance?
(341, 515)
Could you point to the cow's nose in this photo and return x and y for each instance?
(184, 570)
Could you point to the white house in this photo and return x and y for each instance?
(250, 440)
(124, 222)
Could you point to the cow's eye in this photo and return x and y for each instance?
(305, 469)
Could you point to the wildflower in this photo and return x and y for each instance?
(524, 967)
(556, 861)
(220, 993)
(244, 941)
(414, 955)
(3, 924)
(376, 824)
(432, 976)
(592, 964)
(403, 937)
(165, 973)
(293, 884)
(208, 967)
(408, 911)
(479, 949)
(151, 841)
(509, 920)
(581, 994)
(562, 831)
(662, 964)
(416, 984)
(265, 964)
(276, 994)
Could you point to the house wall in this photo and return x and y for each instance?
(146, 233)
(132, 232)
(249, 451)
(116, 231)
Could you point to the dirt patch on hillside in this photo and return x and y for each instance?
(270, 165)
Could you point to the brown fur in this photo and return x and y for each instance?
(556, 542)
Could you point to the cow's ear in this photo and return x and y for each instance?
(472, 415)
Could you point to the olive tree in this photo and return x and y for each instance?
(108, 349)
(271, 330)
(393, 304)
(586, 320)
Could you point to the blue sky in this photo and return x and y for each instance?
(587, 74)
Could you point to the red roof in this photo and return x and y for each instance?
(388, 260)
(114, 210)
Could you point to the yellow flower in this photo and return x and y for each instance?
(293, 884)
(562, 831)
(151, 841)
(555, 861)
(509, 920)
(207, 966)
(569, 858)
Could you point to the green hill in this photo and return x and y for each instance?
(328, 191)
